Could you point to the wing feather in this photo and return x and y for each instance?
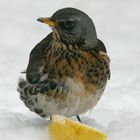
(33, 73)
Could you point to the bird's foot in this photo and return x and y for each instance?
(79, 119)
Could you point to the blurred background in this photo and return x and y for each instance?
(117, 23)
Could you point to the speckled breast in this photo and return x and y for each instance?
(82, 75)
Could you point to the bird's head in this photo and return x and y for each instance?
(71, 25)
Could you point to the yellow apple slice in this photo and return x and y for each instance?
(62, 128)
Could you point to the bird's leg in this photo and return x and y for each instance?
(50, 118)
(78, 118)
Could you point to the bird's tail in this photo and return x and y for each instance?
(26, 90)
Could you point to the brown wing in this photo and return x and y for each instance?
(33, 74)
(103, 54)
(100, 52)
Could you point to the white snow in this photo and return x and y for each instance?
(117, 23)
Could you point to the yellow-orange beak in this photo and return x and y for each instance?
(47, 20)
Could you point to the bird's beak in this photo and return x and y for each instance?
(47, 20)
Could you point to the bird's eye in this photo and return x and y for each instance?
(67, 24)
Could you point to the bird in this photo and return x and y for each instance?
(68, 70)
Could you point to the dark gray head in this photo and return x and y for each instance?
(72, 24)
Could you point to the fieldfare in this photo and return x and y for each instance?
(68, 70)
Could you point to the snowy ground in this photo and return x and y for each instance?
(117, 23)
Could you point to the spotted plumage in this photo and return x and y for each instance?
(68, 70)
